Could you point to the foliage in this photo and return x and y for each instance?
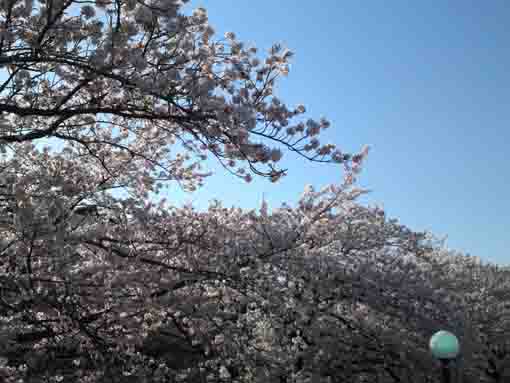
(103, 281)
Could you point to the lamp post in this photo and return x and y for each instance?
(445, 347)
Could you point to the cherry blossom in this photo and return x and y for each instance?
(103, 280)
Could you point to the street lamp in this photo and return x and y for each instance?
(445, 347)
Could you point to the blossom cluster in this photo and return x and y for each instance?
(102, 280)
(153, 91)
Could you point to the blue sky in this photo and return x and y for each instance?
(424, 84)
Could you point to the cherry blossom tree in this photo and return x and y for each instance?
(154, 77)
(482, 291)
(102, 280)
(86, 245)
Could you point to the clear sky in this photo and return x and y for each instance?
(424, 83)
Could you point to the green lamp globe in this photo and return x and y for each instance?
(444, 345)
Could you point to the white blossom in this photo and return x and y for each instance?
(276, 155)
(224, 373)
(312, 128)
(143, 14)
(88, 11)
(102, 3)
